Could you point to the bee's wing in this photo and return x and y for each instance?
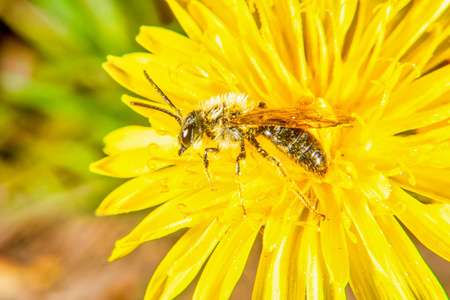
(295, 117)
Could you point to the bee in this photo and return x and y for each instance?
(232, 120)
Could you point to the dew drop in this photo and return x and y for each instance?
(153, 146)
(182, 207)
(152, 166)
(161, 131)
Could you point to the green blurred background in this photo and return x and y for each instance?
(56, 105)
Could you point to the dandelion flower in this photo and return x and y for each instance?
(385, 64)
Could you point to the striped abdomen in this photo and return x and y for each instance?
(300, 146)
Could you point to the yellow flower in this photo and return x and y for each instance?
(386, 64)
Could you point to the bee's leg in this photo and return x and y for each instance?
(283, 172)
(242, 155)
(206, 164)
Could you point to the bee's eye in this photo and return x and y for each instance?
(186, 136)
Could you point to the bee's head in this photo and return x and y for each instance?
(191, 130)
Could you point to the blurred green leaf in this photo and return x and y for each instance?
(56, 102)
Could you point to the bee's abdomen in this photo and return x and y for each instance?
(300, 146)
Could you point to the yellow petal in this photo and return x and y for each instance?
(125, 164)
(345, 12)
(371, 260)
(427, 181)
(318, 59)
(414, 121)
(291, 263)
(285, 17)
(128, 70)
(342, 14)
(222, 45)
(332, 235)
(188, 67)
(430, 224)
(421, 281)
(364, 50)
(189, 25)
(166, 43)
(162, 123)
(440, 56)
(423, 51)
(250, 64)
(229, 257)
(420, 93)
(309, 265)
(276, 94)
(373, 184)
(358, 56)
(131, 137)
(162, 221)
(184, 261)
(313, 278)
(419, 18)
(142, 192)
(420, 154)
(200, 205)
(277, 274)
(268, 58)
(130, 74)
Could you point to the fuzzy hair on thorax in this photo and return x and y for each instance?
(220, 108)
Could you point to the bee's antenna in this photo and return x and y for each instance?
(159, 109)
(161, 93)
